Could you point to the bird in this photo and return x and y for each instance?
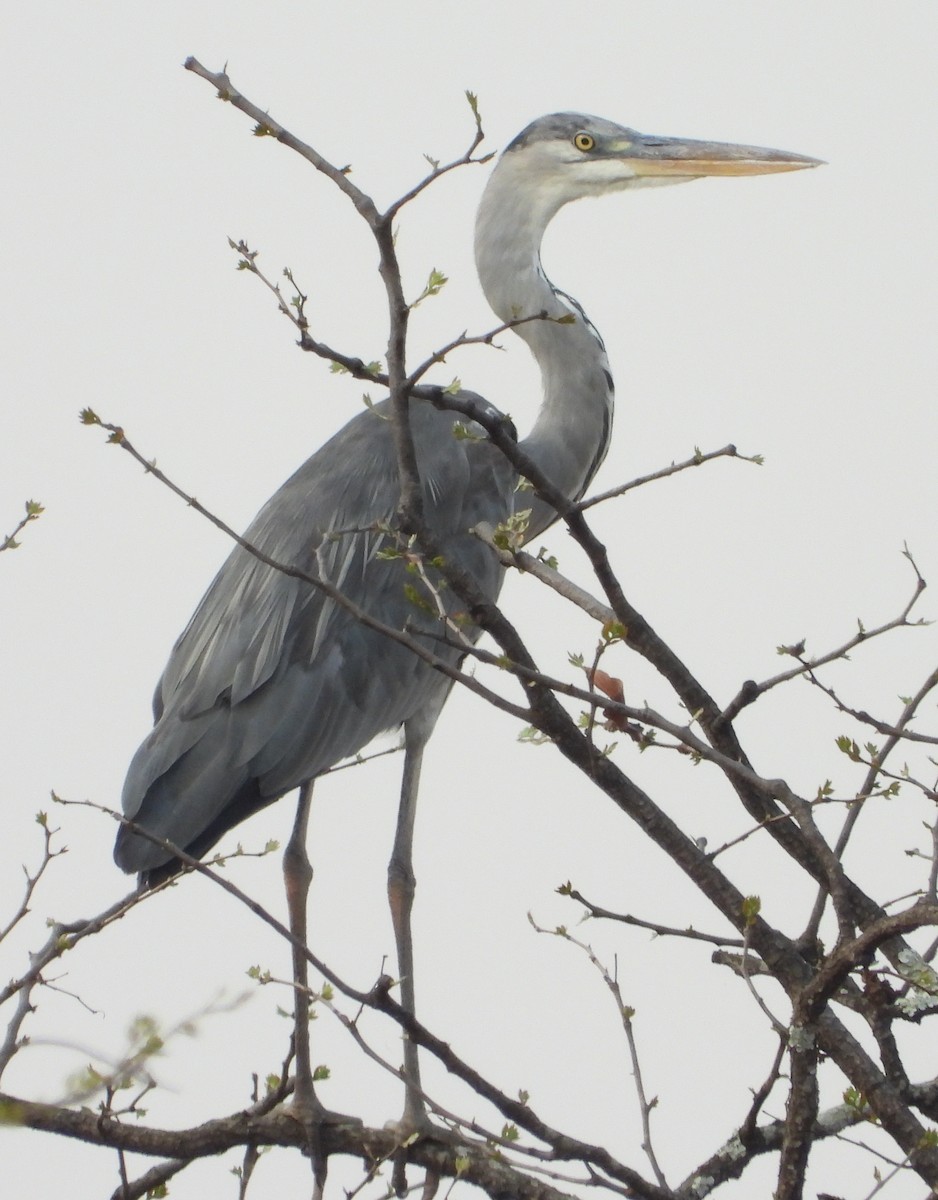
(273, 682)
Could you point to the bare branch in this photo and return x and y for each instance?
(659, 930)
(626, 1013)
(265, 125)
(697, 459)
(751, 691)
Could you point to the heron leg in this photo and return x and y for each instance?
(297, 876)
(307, 1107)
(401, 886)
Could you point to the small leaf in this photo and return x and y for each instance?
(473, 101)
(849, 747)
(436, 281)
(462, 433)
(751, 907)
(417, 599)
(509, 534)
(533, 737)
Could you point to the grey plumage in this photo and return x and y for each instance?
(271, 682)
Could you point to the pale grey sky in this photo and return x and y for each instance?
(792, 315)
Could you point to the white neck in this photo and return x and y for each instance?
(571, 433)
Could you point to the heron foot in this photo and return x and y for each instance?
(414, 1126)
(415, 1123)
(310, 1112)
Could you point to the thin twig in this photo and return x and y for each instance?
(697, 459)
(265, 125)
(751, 691)
(659, 930)
(626, 1013)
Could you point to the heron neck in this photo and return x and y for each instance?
(572, 429)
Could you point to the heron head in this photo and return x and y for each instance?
(569, 155)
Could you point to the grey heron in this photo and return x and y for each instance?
(272, 683)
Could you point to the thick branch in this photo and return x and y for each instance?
(454, 1159)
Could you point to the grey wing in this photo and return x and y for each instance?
(272, 681)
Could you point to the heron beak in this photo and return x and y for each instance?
(683, 157)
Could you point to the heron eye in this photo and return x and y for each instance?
(584, 141)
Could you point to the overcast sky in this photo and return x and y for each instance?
(792, 315)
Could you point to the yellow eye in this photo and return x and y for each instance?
(584, 141)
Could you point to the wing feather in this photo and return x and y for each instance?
(272, 682)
